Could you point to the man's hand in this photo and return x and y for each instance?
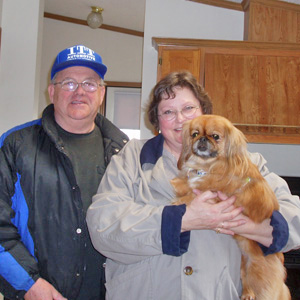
(43, 290)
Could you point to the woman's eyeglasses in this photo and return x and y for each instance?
(187, 111)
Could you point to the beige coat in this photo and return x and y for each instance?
(125, 225)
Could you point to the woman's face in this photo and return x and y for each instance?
(172, 129)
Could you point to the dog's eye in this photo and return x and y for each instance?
(215, 137)
(195, 134)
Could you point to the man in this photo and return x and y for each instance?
(49, 170)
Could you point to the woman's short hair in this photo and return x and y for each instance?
(164, 89)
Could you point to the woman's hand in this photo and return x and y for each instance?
(259, 232)
(204, 213)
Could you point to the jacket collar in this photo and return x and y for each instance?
(108, 130)
(152, 150)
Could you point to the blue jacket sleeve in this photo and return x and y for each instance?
(280, 234)
(174, 242)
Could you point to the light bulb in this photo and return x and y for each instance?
(95, 19)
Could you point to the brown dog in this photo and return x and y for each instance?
(214, 157)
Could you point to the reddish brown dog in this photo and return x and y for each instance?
(214, 157)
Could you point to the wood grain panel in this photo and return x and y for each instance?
(254, 84)
(232, 83)
(178, 60)
(273, 23)
(250, 89)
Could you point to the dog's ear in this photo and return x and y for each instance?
(236, 141)
(186, 145)
(236, 145)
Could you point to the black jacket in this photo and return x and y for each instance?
(42, 223)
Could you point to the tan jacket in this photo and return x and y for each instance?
(125, 226)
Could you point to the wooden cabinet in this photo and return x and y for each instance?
(271, 21)
(177, 59)
(255, 85)
(266, 20)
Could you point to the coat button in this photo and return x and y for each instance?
(117, 150)
(78, 230)
(124, 141)
(188, 270)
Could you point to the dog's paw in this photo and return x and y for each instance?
(248, 297)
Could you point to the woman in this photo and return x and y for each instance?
(157, 250)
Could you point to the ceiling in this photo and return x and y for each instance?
(129, 14)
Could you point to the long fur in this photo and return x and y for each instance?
(214, 147)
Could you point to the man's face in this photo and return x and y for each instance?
(76, 111)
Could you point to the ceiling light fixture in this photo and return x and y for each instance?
(95, 19)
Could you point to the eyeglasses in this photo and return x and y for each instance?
(187, 111)
(71, 85)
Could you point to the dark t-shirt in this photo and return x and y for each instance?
(86, 152)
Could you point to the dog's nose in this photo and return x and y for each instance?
(202, 145)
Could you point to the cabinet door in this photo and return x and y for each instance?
(258, 92)
(171, 60)
(254, 84)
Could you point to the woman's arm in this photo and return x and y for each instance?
(124, 219)
(203, 213)
(289, 206)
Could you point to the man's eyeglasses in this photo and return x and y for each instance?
(187, 111)
(71, 85)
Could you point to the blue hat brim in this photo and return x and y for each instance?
(99, 68)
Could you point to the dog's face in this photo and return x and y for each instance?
(207, 138)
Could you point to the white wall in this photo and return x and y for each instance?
(185, 19)
(29, 46)
(121, 53)
(20, 60)
(1, 3)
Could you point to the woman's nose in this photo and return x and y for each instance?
(179, 116)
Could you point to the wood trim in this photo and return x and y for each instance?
(171, 42)
(245, 3)
(221, 3)
(123, 84)
(272, 3)
(84, 22)
(272, 139)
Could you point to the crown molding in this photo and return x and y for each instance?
(221, 3)
(84, 22)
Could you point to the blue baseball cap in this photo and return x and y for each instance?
(78, 55)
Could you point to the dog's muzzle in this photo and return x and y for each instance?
(203, 144)
(204, 148)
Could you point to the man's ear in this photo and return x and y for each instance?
(51, 92)
(102, 91)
